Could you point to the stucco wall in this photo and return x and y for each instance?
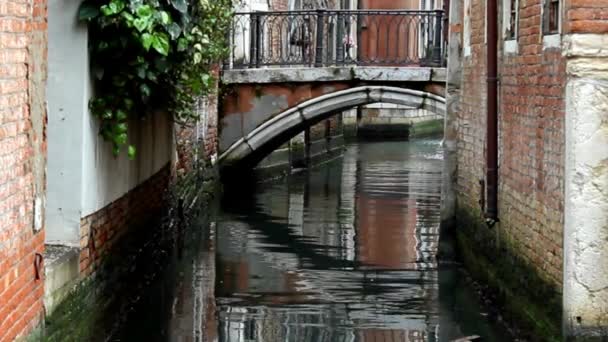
(68, 90)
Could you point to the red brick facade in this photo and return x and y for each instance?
(102, 229)
(586, 16)
(22, 150)
(531, 139)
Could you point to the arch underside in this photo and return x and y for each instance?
(251, 149)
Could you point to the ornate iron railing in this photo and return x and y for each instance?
(317, 38)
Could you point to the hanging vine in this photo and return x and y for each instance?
(149, 55)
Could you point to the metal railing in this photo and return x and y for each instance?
(318, 38)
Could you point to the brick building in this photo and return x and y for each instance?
(22, 175)
(551, 155)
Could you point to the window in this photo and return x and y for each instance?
(551, 17)
(512, 27)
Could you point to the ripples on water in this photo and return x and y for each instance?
(344, 252)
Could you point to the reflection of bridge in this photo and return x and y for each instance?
(290, 70)
(344, 277)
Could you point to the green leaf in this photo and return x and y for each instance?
(121, 128)
(174, 30)
(119, 81)
(129, 105)
(117, 5)
(114, 7)
(141, 24)
(160, 43)
(121, 115)
(120, 139)
(180, 5)
(152, 76)
(144, 11)
(165, 19)
(182, 44)
(197, 58)
(106, 10)
(128, 17)
(147, 40)
(115, 150)
(87, 11)
(145, 90)
(141, 71)
(131, 151)
(161, 64)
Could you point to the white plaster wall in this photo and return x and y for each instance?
(68, 92)
(107, 178)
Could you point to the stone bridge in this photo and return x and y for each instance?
(289, 70)
(263, 108)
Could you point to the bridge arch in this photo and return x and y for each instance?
(251, 149)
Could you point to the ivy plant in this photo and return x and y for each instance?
(152, 55)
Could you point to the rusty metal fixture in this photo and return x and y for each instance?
(491, 212)
(482, 195)
(92, 247)
(38, 259)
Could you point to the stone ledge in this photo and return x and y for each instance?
(61, 268)
(331, 74)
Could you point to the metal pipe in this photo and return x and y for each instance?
(491, 213)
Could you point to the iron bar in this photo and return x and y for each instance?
(322, 38)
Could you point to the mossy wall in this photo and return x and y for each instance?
(96, 307)
(527, 300)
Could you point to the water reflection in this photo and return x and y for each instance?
(345, 252)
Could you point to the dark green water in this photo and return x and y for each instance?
(342, 252)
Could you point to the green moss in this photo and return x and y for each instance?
(93, 308)
(427, 129)
(525, 298)
(76, 318)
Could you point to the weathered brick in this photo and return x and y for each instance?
(531, 121)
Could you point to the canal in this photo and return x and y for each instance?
(342, 252)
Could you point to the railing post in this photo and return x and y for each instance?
(229, 60)
(253, 37)
(340, 39)
(258, 41)
(320, 35)
(437, 39)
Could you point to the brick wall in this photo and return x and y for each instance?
(531, 140)
(102, 229)
(22, 151)
(587, 16)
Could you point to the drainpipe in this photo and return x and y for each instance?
(491, 213)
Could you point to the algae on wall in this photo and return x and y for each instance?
(527, 300)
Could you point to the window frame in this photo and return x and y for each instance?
(552, 16)
(512, 31)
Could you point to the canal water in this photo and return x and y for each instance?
(342, 252)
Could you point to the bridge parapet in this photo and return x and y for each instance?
(335, 74)
(320, 38)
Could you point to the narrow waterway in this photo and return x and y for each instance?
(342, 252)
